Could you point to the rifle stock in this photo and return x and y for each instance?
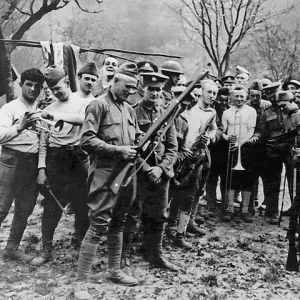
(292, 259)
(117, 178)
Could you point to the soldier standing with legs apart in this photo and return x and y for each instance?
(109, 133)
(153, 179)
(62, 164)
(238, 125)
(19, 160)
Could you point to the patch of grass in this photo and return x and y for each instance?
(210, 279)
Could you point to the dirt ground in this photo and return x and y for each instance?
(233, 261)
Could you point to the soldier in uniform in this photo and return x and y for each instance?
(173, 70)
(109, 133)
(218, 151)
(153, 179)
(180, 206)
(256, 101)
(241, 76)
(228, 82)
(270, 126)
(87, 77)
(143, 67)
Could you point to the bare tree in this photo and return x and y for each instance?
(16, 17)
(279, 49)
(219, 26)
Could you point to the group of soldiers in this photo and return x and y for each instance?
(221, 124)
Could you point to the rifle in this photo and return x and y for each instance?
(292, 259)
(117, 177)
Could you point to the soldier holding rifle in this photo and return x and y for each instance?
(109, 133)
(153, 179)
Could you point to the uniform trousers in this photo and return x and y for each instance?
(270, 169)
(67, 174)
(18, 175)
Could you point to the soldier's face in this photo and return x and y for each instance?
(61, 90)
(30, 90)
(297, 98)
(87, 82)
(242, 79)
(209, 93)
(229, 85)
(110, 65)
(124, 86)
(292, 88)
(254, 96)
(175, 78)
(152, 93)
(239, 97)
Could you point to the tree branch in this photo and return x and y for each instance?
(88, 11)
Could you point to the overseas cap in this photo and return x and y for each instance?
(147, 66)
(129, 69)
(89, 68)
(284, 96)
(256, 85)
(54, 74)
(240, 70)
(154, 79)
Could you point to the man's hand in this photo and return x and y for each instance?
(26, 121)
(204, 139)
(253, 140)
(189, 153)
(154, 174)
(127, 152)
(42, 179)
(232, 139)
(47, 115)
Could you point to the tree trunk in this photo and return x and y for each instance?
(6, 81)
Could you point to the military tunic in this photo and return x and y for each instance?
(108, 123)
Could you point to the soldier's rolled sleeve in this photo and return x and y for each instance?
(89, 141)
(8, 131)
(170, 153)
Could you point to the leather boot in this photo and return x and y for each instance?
(228, 214)
(211, 194)
(245, 206)
(44, 256)
(157, 260)
(80, 291)
(179, 239)
(118, 276)
(11, 252)
(145, 248)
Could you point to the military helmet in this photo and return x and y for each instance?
(171, 66)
